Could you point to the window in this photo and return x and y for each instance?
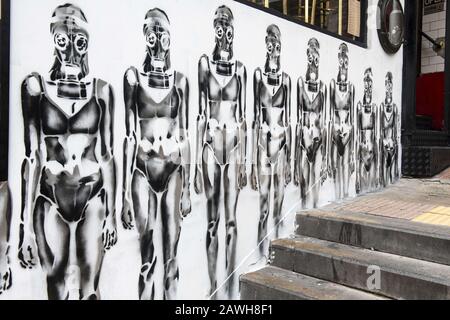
(345, 19)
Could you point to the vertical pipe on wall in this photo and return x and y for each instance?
(419, 38)
(266, 3)
(340, 18)
(285, 7)
(409, 72)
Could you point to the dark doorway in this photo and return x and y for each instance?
(430, 86)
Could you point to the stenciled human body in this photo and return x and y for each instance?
(389, 135)
(221, 141)
(342, 97)
(367, 144)
(5, 225)
(311, 132)
(271, 134)
(156, 159)
(68, 186)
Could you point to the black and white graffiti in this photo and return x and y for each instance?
(5, 225)
(342, 97)
(367, 139)
(271, 169)
(389, 135)
(68, 186)
(310, 169)
(64, 207)
(156, 159)
(221, 142)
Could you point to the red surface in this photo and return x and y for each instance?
(430, 97)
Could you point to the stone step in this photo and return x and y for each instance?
(272, 283)
(397, 236)
(399, 277)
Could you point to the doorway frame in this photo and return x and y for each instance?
(411, 60)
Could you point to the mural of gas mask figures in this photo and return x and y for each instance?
(271, 134)
(367, 144)
(68, 186)
(310, 169)
(389, 135)
(342, 97)
(221, 143)
(5, 224)
(156, 159)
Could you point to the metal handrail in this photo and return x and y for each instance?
(436, 45)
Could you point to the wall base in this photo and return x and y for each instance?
(424, 162)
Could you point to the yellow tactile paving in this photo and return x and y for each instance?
(394, 208)
(441, 210)
(437, 216)
(423, 217)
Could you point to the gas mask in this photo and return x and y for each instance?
(389, 87)
(312, 73)
(224, 33)
(71, 41)
(273, 47)
(368, 84)
(157, 36)
(343, 66)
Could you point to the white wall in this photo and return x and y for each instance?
(434, 26)
(116, 42)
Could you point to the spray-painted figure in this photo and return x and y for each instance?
(311, 132)
(157, 159)
(367, 133)
(389, 136)
(5, 224)
(342, 97)
(221, 143)
(271, 134)
(68, 186)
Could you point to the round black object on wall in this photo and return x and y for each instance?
(390, 25)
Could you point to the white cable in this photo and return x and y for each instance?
(292, 209)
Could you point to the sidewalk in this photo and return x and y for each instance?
(420, 200)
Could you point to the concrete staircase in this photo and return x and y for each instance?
(343, 255)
